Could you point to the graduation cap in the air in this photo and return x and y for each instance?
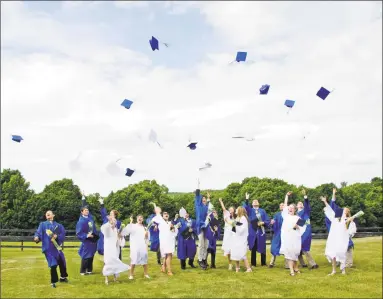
(127, 103)
(289, 103)
(129, 172)
(192, 145)
(154, 44)
(323, 93)
(153, 137)
(264, 89)
(17, 138)
(241, 56)
(207, 165)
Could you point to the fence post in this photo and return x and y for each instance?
(22, 245)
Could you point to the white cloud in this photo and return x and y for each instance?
(62, 86)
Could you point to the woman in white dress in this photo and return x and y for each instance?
(138, 245)
(112, 264)
(228, 217)
(238, 248)
(291, 233)
(338, 236)
(168, 233)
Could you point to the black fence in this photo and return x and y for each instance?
(26, 235)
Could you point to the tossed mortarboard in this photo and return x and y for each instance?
(289, 103)
(264, 89)
(192, 145)
(323, 93)
(17, 138)
(241, 56)
(126, 103)
(301, 222)
(154, 43)
(129, 172)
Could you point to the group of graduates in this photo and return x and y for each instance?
(244, 229)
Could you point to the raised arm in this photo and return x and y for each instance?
(333, 205)
(104, 213)
(197, 198)
(329, 212)
(306, 205)
(246, 204)
(222, 205)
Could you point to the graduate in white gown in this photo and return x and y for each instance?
(291, 234)
(239, 244)
(168, 233)
(112, 264)
(338, 236)
(228, 217)
(138, 245)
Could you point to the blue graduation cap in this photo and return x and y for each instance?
(154, 43)
(17, 138)
(126, 103)
(129, 172)
(264, 89)
(241, 56)
(289, 103)
(192, 145)
(323, 93)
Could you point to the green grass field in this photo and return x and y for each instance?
(26, 275)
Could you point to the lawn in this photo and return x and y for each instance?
(26, 275)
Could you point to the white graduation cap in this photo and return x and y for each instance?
(154, 138)
(207, 165)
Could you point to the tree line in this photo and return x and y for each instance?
(23, 208)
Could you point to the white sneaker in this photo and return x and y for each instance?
(249, 270)
(332, 273)
(344, 272)
(130, 277)
(147, 276)
(230, 267)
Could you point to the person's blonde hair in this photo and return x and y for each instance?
(242, 212)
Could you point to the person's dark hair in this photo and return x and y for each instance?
(83, 208)
(116, 213)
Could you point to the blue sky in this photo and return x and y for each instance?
(66, 67)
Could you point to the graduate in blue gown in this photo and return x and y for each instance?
(257, 230)
(87, 233)
(213, 231)
(304, 212)
(104, 216)
(52, 235)
(186, 240)
(201, 213)
(154, 237)
(276, 225)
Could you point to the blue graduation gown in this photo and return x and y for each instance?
(200, 212)
(334, 206)
(212, 236)
(276, 241)
(51, 253)
(154, 235)
(307, 235)
(256, 235)
(186, 248)
(88, 247)
(100, 242)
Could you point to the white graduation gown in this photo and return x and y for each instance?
(291, 241)
(338, 237)
(112, 264)
(227, 235)
(239, 241)
(138, 244)
(167, 237)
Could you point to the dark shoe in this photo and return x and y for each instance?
(271, 266)
(212, 266)
(53, 285)
(201, 264)
(314, 267)
(183, 264)
(159, 262)
(304, 266)
(205, 262)
(191, 264)
(64, 279)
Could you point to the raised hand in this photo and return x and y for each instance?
(289, 193)
(323, 199)
(220, 200)
(304, 192)
(333, 191)
(101, 200)
(157, 210)
(131, 219)
(247, 196)
(176, 216)
(208, 195)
